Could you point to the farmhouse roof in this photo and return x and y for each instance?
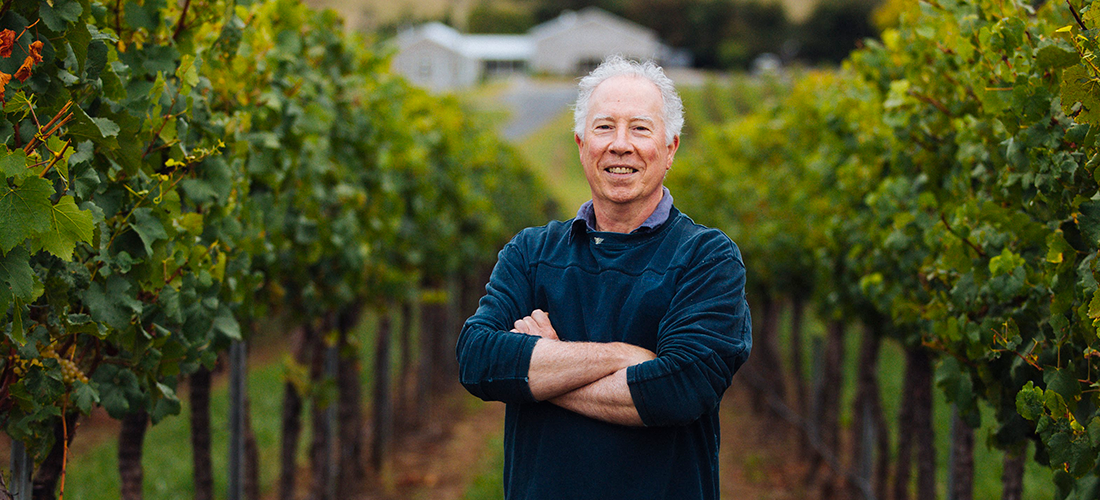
(480, 47)
(571, 19)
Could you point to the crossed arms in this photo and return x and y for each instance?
(584, 377)
(703, 337)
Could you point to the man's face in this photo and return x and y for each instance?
(623, 151)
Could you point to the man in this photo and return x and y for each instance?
(612, 337)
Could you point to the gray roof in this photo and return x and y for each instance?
(481, 47)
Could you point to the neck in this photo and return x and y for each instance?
(616, 218)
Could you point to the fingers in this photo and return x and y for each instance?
(538, 323)
(540, 318)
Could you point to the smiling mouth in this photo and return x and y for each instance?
(620, 170)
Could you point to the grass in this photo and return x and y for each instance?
(552, 154)
(488, 484)
(167, 450)
(167, 459)
(988, 461)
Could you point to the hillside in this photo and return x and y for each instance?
(369, 14)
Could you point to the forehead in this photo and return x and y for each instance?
(626, 94)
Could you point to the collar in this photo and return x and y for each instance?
(587, 214)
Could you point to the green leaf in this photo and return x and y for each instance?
(1094, 306)
(68, 225)
(226, 325)
(112, 303)
(19, 104)
(79, 39)
(229, 40)
(85, 397)
(1063, 382)
(119, 389)
(15, 270)
(1089, 222)
(14, 163)
(190, 222)
(1029, 402)
(171, 304)
(166, 405)
(1055, 403)
(25, 211)
(1081, 95)
(188, 72)
(96, 61)
(99, 130)
(148, 227)
(1004, 263)
(1056, 54)
(59, 13)
(61, 165)
(142, 15)
(17, 333)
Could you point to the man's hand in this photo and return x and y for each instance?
(538, 323)
(559, 367)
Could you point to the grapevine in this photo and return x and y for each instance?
(942, 180)
(174, 172)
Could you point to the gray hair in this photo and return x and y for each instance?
(616, 65)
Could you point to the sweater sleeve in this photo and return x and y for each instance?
(493, 361)
(702, 340)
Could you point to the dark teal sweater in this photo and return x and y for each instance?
(677, 291)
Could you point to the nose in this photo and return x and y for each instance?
(620, 144)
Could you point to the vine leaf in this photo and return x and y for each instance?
(148, 228)
(1089, 221)
(85, 396)
(1029, 402)
(1056, 54)
(25, 210)
(15, 270)
(1079, 86)
(14, 163)
(111, 302)
(68, 225)
(100, 130)
(58, 14)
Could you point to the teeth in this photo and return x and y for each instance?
(620, 170)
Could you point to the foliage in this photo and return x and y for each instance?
(487, 17)
(175, 170)
(943, 179)
(730, 34)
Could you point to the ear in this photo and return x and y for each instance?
(578, 140)
(672, 150)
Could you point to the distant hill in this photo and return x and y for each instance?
(370, 14)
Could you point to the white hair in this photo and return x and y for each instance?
(616, 65)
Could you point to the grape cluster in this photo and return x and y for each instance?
(69, 371)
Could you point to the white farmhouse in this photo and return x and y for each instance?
(438, 57)
(576, 42)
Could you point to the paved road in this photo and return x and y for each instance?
(533, 103)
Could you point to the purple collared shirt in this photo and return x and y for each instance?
(658, 217)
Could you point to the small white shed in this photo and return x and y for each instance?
(430, 56)
(438, 57)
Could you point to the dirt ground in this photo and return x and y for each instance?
(758, 456)
(759, 459)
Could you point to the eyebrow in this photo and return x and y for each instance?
(643, 118)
